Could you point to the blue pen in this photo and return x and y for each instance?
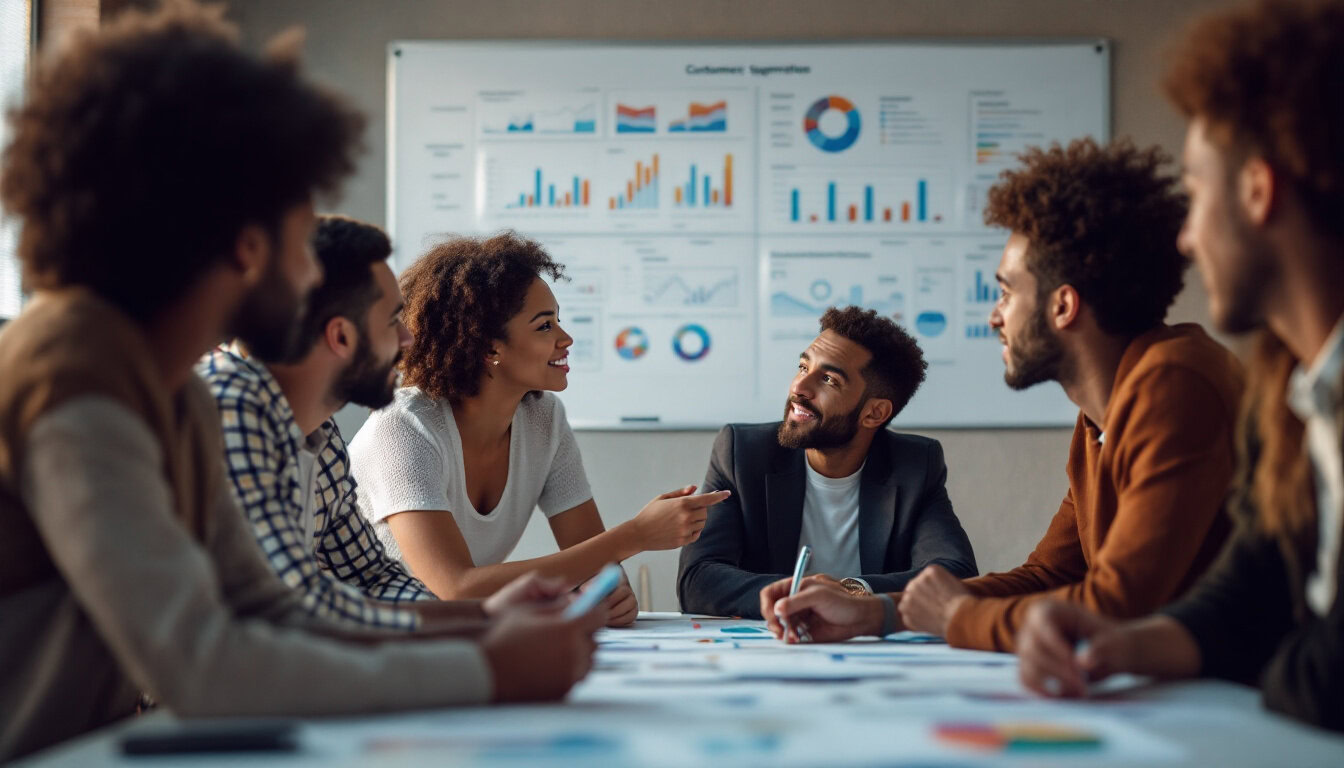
(799, 568)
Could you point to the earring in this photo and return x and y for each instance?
(494, 362)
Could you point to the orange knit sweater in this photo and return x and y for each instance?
(1143, 517)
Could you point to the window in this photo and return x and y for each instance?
(16, 19)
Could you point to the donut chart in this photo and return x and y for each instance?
(632, 343)
(812, 124)
(691, 342)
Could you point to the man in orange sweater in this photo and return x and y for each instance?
(1086, 279)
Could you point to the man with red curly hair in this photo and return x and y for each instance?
(1265, 171)
(1086, 278)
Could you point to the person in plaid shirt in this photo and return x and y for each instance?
(286, 456)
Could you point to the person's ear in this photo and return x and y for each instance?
(1256, 190)
(252, 253)
(341, 337)
(1064, 306)
(875, 412)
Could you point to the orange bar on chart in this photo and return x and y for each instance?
(613, 202)
(676, 192)
(629, 190)
(639, 176)
(648, 176)
(655, 165)
(886, 214)
(568, 202)
(530, 201)
(905, 211)
(585, 193)
(853, 213)
(714, 197)
(727, 180)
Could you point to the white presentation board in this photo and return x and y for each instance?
(709, 202)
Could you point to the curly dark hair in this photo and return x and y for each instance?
(458, 297)
(142, 152)
(1267, 77)
(346, 248)
(1103, 220)
(897, 367)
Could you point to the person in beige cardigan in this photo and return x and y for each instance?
(164, 180)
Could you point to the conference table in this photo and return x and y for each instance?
(679, 690)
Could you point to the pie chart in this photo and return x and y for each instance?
(631, 343)
(832, 143)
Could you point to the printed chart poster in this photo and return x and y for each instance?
(711, 202)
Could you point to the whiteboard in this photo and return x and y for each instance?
(709, 201)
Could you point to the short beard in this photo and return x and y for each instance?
(267, 322)
(1035, 357)
(824, 434)
(1243, 310)
(366, 381)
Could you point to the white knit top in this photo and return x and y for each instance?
(408, 456)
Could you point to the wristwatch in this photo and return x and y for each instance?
(855, 586)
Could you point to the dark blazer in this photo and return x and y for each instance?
(751, 539)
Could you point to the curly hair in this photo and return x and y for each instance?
(142, 152)
(1103, 220)
(897, 367)
(1267, 78)
(459, 296)
(346, 248)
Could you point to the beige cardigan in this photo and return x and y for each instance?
(125, 565)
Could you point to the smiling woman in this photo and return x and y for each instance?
(477, 434)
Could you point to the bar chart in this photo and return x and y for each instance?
(699, 190)
(845, 196)
(546, 193)
(982, 289)
(641, 189)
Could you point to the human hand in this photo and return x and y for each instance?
(675, 518)
(530, 591)
(822, 608)
(622, 607)
(537, 657)
(931, 599)
(1061, 647)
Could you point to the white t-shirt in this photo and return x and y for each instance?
(831, 523)
(408, 456)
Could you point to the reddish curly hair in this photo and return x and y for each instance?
(144, 149)
(458, 297)
(1103, 220)
(1267, 77)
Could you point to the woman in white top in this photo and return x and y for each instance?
(450, 472)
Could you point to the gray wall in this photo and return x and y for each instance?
(1005, 484)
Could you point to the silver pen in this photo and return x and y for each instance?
(799, 568)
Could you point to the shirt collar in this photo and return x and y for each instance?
(1319, 389)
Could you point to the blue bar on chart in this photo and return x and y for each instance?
(579, 197)
(830, 201)
(980, 331)
(794, 205)
(923, 200)
(699, 189)
(983, 292)
(868, 203)
(641, 192)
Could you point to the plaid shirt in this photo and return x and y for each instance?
(344, 572)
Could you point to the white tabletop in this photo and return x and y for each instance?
(679, 691)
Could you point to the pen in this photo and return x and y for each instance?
(799, 568)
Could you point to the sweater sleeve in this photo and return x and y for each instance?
(208, 631)
(1172, 467)
(1240, 615)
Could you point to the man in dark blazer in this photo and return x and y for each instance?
(871, 503)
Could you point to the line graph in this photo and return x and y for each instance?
(695, 286)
